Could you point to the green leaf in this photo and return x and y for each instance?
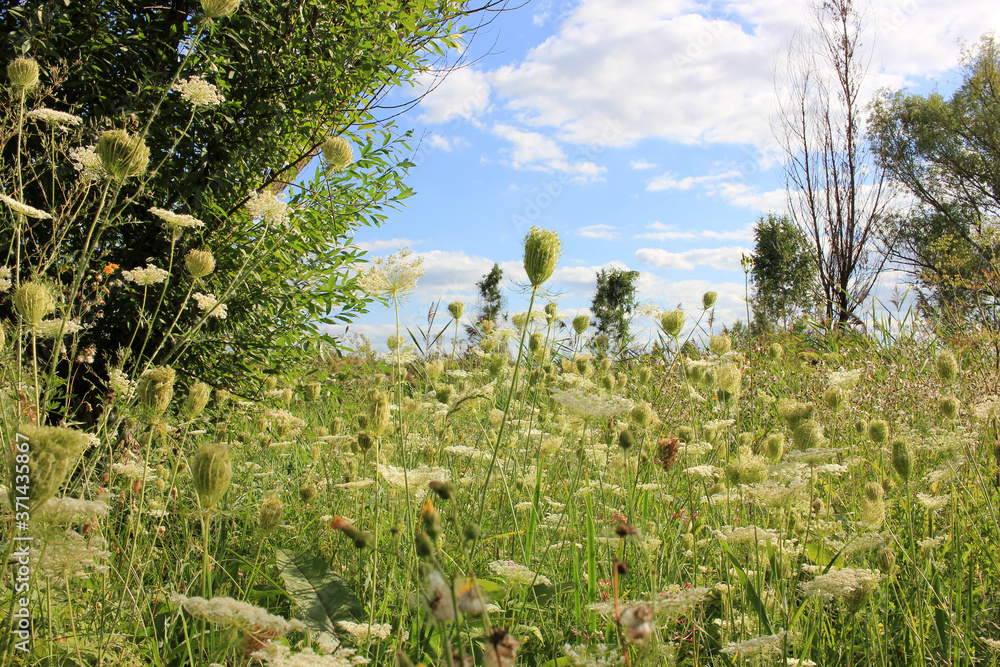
(323, 597)
(822, 556)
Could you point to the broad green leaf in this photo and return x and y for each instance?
(323, 597)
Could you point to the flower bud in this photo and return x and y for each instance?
(834, 397)
(211, 472)
(626, 440)
(53, 452)
(378, 412)
(443, 393)
(365, 441)
(808, 435)
(456, 308)
(708, 299)
(902, 461)
(23, 73)
(313, 390)
(424, 546)
(642, 414)
(471, 532)
(551, 310)
(444, 490)
(773, 447)
(541, 254)
(775, 351)
(307, 492)
(215, 9)
(644, 374)
(948, 407)
(197, 399)
(155, 389)
(199, 263)
(122, 155)
(431, 520)
(338, 152)
(535, 342)
(719, 345)
(947, 366)
(672, 322)
(878, 431)
(580, 324)
(33, 301)
(271, 512)
(886, 560)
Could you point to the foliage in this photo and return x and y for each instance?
(782, 272)
(836, 190)
(946, 153)
(491, 299)
(613, 302)
(291, 74)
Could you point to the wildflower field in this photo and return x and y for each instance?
(510, 494)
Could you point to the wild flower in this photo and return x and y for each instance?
(56, 327)
(591, 406)
(266, 206)
(24, 209)
(678, 600)
(150, 275)
(844, 379)
(517, 573)
(933, 502)
(636, 620)
(86, 161)
(392, 277)
(134, 470)
(416, 479)
(207, 303)
(596, 655)
(5, 279)
(279, 655)
(198, 92)
(838, 583)
(758, 646)
(706, 471)
(53, 117)
(500, 649)
(363, 631)
(176, 221)
(70, 555)
(235, 613)
(751, 534)
(68, 509)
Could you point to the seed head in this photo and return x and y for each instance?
(378, 412)
(199, 263)
(708, 299)
(215, 9)
(794, 412)
(948, 407)
(580, 324)
(947, 366)
(835, 397)
(307, 492)
(774, 447)
(719, 345)
(642, 414)
(541, 254)
(672, 322)
(535, 342)
(197, 399)
(338, 152)
(33, 301)
(54, 454)
(644, 374)
(626, 440)
(23, 73)
(211, 472)
(456, 308)
(902, 461)
(808, 435)
(669, 448)
(886, 560)
(271, 512)
(878, 431)
(551, 310)
(155, 389)
(313, 390)
(122, 155)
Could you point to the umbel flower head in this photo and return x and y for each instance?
(199, 263)
(580, 324)
(24, 209)
(122, 155)
(33, 301)
(197, 399)
(54, 453)
(456, 308)
(338, 153)
(672, 322)
(211, 472)
(541, 254)
(23, 73)
(215, 9)
(155, 389)
(392, 277)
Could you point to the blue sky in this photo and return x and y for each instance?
(639, 130)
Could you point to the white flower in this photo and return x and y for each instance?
(361, 631)
(415, 480)
(267, 206)
(70, 555)
(933, 502)
(207, 303)
(54, 117)
(5, 279)
(591, 406)
(176, 220)
(392, 277)
(51, 328)
(279, 655)
(758, 645)
(227, 611)
(147, 276)
(24, 209)
(518, 573)
(87, 162)
(839, 582)
(844, 379)
(198, 92)
(63, 510)
(120, 383)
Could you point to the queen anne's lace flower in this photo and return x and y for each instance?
(51, 328)
(590, 405)
(266, 206)
(234, 613)
(207, 303)
(518, 573)
(392, 277)
(176, 220)
(86, 161)
(54, 117)
(147, 276)
(838, 582)
(70, 556)
(198, 92)
(24, 209)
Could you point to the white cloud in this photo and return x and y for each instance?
(386, 244)
(669, 181)
(642, 164)
(606, 232)
(534, 150)
(661, 232)
(440, 143)
(700, 71)
(721, 259)
(462, 93)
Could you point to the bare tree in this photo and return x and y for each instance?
(837, 193)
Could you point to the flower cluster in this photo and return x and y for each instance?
(86, 161)
(518, 573)
(266, 206)
(53, 117)
(234, 613)
(207, 303)
(147, 276)
(392, 277)
(24, 209)
(198, 92)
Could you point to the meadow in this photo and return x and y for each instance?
(509, 495)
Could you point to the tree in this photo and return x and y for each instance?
(946, 152)
(491, 301)
(782, 271)
(613, 301)
(292, 73)
(836, 190)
